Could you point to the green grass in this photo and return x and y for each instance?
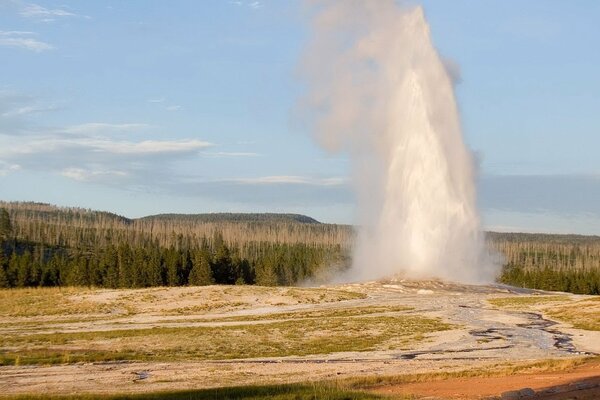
(299, 337)
(276, 392)
(527, 301)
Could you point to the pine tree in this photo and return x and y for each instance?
(5, 225)
(4, 283)
(201, 273)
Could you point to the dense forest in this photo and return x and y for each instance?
(44, 245)
(568, 263)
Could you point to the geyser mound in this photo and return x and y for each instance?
(379, 90)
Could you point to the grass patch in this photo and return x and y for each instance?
(33, 302)
(276, 339)
(277, 392)
(325, 313)
(584, 314)
(526, 301)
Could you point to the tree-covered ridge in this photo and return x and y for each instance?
(50, 246)
(72, 246)
(75, 227)
(236, 217)
(568, 263)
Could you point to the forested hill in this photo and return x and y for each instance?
(235, 217)
(70, 226)
(49, 245)
(44, 211)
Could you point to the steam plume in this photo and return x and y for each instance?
(378, 90)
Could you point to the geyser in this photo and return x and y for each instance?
(379, 90)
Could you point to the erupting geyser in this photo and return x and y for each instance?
(379, 90)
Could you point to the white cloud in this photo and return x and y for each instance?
(254, 4)
(292, 179)
(173, 108)
(230, 154)
(27, 110)
(23, 40)
(94, 128)
(148, 146)
(36, 11)
(85, 145)
(87, 175)
(6, 168)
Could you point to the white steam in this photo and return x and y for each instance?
(379, 91)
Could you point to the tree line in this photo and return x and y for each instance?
(143, 262)
(44, 245)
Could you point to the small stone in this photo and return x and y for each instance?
(527, 392)
(512, 395)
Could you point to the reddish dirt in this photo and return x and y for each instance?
(581, 383)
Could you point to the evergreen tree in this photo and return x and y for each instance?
(223, 268)
(4, 283)
(265, 273)
(201, 273)
(173, 267)
(5, 225)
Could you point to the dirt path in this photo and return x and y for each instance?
(581, 383)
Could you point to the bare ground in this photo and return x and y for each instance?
(483, 334)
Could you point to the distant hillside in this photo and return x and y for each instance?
(69, 226)
(235, 217)
(285, 247)
(45, 211)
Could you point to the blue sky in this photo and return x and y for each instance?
(143, 107)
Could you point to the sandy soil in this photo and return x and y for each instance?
(484, 336)
(580, 383)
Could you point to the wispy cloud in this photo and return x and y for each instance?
(292, 180)
(87, 175)
(23, 40)
(36, 11)
(25, 110)
(219, 154)
(270, 191)
(6, 168)
(96, 152)
(40, 13)
(254, 4)
(96, 147)
(95, 128)
(17, 108)
(173, 108)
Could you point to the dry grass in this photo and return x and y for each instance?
(300, 337)
(583, 314)
(49, 328)
(304, 391)
(527, 301)
(33, 302)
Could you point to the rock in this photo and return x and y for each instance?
(527, 392)
(512, 395)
